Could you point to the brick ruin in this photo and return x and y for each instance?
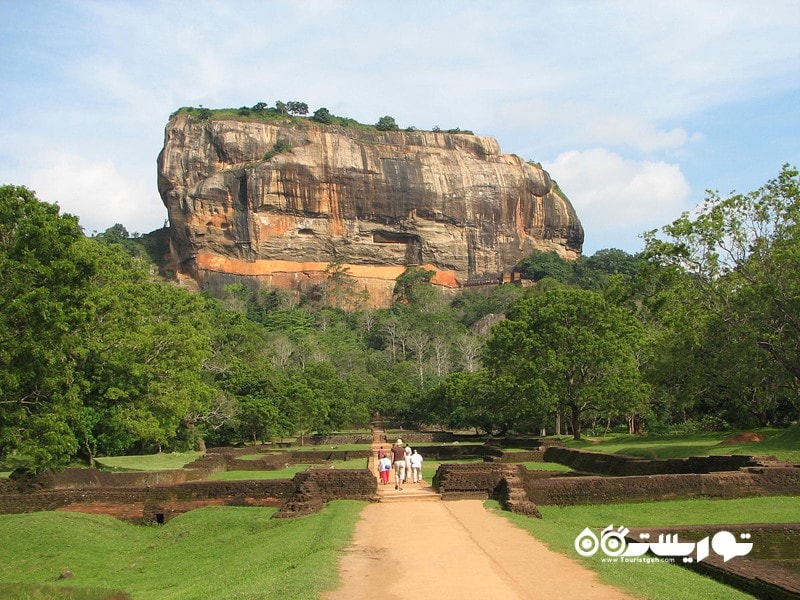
(156, 497)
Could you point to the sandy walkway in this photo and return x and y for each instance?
(455, 550)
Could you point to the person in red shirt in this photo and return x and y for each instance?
(399, 462)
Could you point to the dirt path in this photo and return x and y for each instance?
(455, 550)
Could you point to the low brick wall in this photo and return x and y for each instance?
(526, 442)
(622, 465)
(504, 483)
(132, 503)
(268, 462)
(516, 456)
(320, 456)
(159, 503)
(314, 487)
(455, 452)
(341, 438)
(429, 437)
(455, 481)
(340, 484)
(565, 491)
(88, 478)
(481, 480)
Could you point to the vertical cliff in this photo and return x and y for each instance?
(278, 203)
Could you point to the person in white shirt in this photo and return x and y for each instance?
(416, 467)
(384, 466)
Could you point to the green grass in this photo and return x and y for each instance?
(258, 456)
(14, 591)
(331, 447)
(150, 462)
(782, 443)
(214, 552)
(545, 466)
(290, 471)
(559, 527)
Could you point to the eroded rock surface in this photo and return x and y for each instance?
(279, 203)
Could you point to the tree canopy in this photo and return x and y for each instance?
(569, 348)
(99, 355)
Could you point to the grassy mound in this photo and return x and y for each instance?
(214, 552)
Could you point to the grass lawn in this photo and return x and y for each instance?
(256, 456)
(330, 447)
(545, 466)
(782, 443)
(214, 552)
(149, 462)
(290, 471)
(559, 527)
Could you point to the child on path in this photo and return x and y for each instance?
(384, 466)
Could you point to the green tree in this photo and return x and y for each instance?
(595, 272)
(305, 408)
(322, 115)
(570, 348)
(95, 357)
(143, 349)
(413, 287)
(738, 261)
(386, 123)
(297, 108)
(539, 264)
(42, 290)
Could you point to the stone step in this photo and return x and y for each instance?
(415, 497)
(407, 494)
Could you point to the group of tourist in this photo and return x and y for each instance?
(405, 462)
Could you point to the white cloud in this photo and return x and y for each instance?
(97, 193)
(589, 125)
(617, 199)
(543, 78)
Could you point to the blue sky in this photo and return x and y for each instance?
(635, 108)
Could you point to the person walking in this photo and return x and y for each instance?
(399, 462)
(384, 466)
(416, 467)
(408, 462)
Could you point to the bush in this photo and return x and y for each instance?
(278, 148)
(386, 123)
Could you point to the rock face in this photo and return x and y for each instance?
(279, 203)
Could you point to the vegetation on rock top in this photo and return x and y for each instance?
(296, 112)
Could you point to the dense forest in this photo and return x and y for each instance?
(99, 355)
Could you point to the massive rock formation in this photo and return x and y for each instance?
(279, 203)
